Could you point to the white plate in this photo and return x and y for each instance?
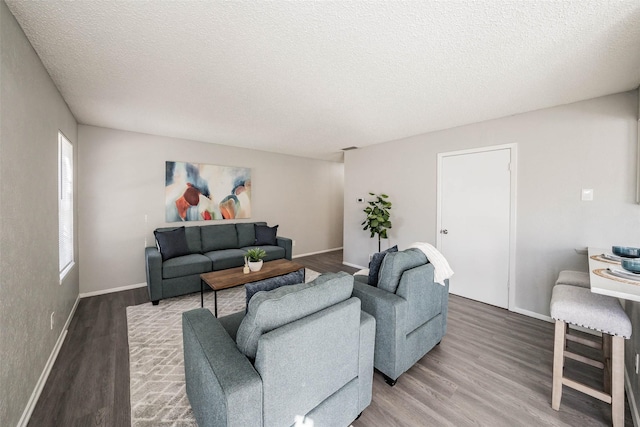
(624, 274)
(612, 257)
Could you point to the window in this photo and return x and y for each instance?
(65, 204)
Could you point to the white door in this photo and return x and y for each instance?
(474, 222)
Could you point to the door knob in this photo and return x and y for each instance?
(445, 231)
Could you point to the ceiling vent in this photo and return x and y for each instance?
(349, 148)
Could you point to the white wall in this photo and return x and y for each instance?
(590, 144)
(121, 180)
(31, 114)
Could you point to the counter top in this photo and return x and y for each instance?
(605, 286)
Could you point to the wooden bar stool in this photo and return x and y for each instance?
(581, 279)
(578, 306)
(574, 278)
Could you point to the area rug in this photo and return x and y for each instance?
(158, 393)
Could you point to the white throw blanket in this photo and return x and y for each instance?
(441, 267)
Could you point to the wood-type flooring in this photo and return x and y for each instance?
(493, 368)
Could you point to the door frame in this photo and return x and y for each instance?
(511, 285)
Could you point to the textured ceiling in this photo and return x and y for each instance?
(309, 78)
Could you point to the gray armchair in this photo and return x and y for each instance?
(410, 312)
(303, 350)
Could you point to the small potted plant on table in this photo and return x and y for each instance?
(255, 255)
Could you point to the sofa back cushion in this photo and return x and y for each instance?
(424, 298)
(270, 310)
(247, 233)
(216, 237)
(172, 243)
(396, 263)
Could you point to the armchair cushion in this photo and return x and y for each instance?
(376, 262)
(394, 264)
(172, 243)
(270, 310)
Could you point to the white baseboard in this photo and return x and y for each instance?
(316, 253)
(348, 264)
(550, 320)
(631, 398)
(31, 404)
(532, 314)
(111, 290)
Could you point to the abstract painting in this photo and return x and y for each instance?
(200, 192)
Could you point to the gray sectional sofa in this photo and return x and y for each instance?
(302, 350)
(210, 248)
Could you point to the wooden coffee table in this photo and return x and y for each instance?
(232, 277)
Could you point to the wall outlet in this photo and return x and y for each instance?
(293, 243)
(52, 319)
(145, 242)
(637, 362)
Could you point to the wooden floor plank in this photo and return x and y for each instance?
(493, 368)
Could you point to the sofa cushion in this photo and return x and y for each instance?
(270, 310)
(265, 235)
(394, 264)
(185, 265)
(216, 237)
(273, 283)
(376, 262)
(226, 258)
(246, 233)
(273, 252)
(172, 243)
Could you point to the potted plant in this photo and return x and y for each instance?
(378, 217)
(255, 255)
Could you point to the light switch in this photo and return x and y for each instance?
(587, 194)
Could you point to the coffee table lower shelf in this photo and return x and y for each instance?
(232, 277)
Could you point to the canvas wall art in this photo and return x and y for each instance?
(201, 192)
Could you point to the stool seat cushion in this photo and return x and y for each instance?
(579, 306)
(574, 278)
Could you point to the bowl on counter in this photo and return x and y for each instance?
(626, 251)
(632, 265)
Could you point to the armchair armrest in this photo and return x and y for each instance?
(365, 360)
(286, 243)
(390, 312)
(222, 386)
(153, 264)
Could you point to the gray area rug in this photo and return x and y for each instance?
(158, 393)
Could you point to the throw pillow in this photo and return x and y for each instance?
(172, 243)
(266, 235)
(273, 283)
(376, 262)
